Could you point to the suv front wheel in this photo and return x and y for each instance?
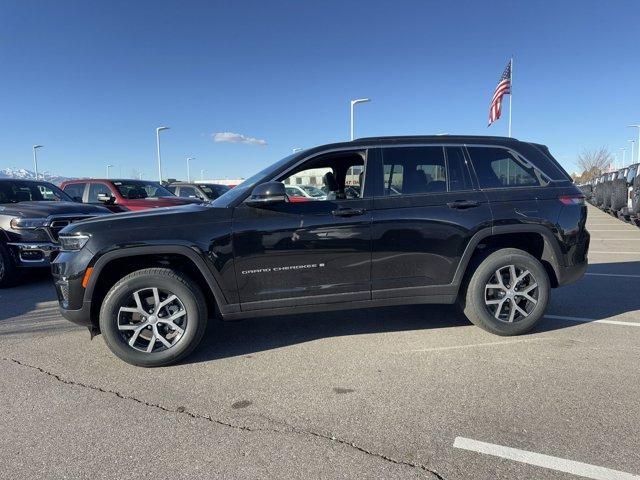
(153, 317)
(508, 292)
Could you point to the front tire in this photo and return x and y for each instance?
(153, 317)
(8, 270)
(508, 293)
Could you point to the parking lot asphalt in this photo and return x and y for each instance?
(402, 392)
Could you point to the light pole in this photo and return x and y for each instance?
(638, 127)
(189, 169)
(140, 176)
(354, 103)
(624, 156)
(633, 143)
(108, 167)
(35, 159)
(202, 174)
(158, 130)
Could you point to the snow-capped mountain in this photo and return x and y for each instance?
(25, 174)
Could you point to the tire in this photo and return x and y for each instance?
(606, 195)
(8, 269)
(619, 195)
(121, 317)
(635, 197)
(483, 315)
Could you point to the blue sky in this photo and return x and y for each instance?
(92, 80)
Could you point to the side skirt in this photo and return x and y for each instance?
(351, 305)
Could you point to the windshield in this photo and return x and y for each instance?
(312, 191)
(237, 192)
(22, 191)
(133, 190)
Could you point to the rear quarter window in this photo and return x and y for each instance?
(499, 168)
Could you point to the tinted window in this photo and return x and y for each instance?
(459, 178)
(213, 190)
(498, 168)
(172, 189)
(133, 189)
(633, 171)
(188, 192)
(26, 191)
(412, 170)
(75, 190)
(95, 189)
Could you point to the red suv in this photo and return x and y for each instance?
(123, 195)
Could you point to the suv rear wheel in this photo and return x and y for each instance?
(153, 317)
(508, 292)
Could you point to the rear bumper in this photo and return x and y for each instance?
(569, 275)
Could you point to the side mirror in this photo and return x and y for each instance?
(267, 194)
(105, 198)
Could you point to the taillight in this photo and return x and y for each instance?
(572, 199)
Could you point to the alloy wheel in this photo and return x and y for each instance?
(152, 320)
(511, 294)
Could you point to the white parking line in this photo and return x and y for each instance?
(620, 253)
(475, 345)
(630, 229)
(544, 461)
(592, 320)
(612, 275)
(617, 239)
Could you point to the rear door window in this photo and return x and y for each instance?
(97, 188)
(414, 170)
(499, 168)
(75, 190)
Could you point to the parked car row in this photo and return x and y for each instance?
(617, 193)
(32, 213)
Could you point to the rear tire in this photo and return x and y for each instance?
(153, 317)
(501, 303)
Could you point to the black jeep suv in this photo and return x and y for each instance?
(491, 222)
(31, 215)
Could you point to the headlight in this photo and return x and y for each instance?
(72, 242)
(27, 223)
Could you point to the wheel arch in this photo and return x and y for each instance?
(114, 265)
(534, 239)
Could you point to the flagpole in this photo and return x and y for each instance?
(510, 95)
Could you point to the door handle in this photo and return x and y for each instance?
(347, 212)
(463, 204)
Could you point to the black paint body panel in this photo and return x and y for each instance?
(303, 256)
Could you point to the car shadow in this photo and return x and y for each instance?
(34, 287)
(584, 299)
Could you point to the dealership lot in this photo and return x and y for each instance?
(399, 392)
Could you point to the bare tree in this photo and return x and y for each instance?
(594, 163)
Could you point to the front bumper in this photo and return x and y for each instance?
(82, 316)
(34, 254)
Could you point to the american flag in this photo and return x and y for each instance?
(503, 88)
